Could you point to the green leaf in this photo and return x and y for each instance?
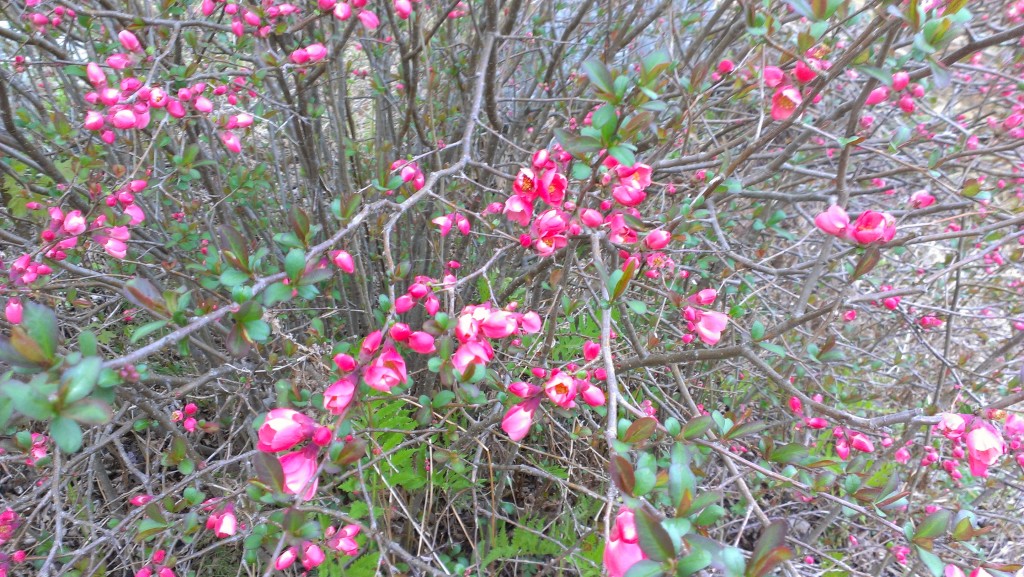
(81, 379)
(645, 568)
(622, 475)
(696, 427)
(277, 293)
(697, 559)
(40, 324)
(599, 76)
(971, 188)
(148, 528)
(770, 550)
(640, 430)
(442, 399)
(268, 471)
(233, 277)
(878, 74)
(653, 539)
(145, 294)
(66, 433)
(294, 264)
(934, 525)
(257, 331)
(29, 401)
(745, 429)
(931, 561)
(89, 412)
(147, 329)
(773, 348)
(623, 153)
(757, 330)
(577, 145)
(606, 121)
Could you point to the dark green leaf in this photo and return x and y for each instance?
(89, 412)
(653, 539)
(66, 433)
(696, 427)
(640, 430)
(599, 76)
(645, 568)
(934, 525)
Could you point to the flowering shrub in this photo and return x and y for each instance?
(511, 287)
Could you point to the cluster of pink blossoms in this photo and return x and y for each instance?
(222, 520)
(478, 323)
(983, 440)
(129, 104)
(708, 325)
(870, 227)
(544, 181)
(284, 429)
(156, 566)
(312, 555)
(561, 388)
(787, 95)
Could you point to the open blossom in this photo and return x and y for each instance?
(870, 227)
(519, 210)
(386, 371)
(709, 326)
(785, 101)
(921, 199)
(561, 389)
(223, 523)
(283, 429)
(338, 396)
(344, 541)
(622, 550)
(299, 469)
(518, 419)
(984, 447)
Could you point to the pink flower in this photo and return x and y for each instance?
(94, 120)
(900, 80)
(299, 56)
(386, 371)
(877, 95)
(134, 212)
(421, 342)
(140, 500)
(902, 455)
(921, 199)
(343, 260)
(316, 52)
(871, 226)
(283, 429)
(561, 389)
(984, 447)
(300, 472)
(231, 141)
(285, 559)
(622, 550)
(552, 187)
(704, 297)
(785, 101)
(658, 239)
(312, 555)
(368, 19)
(518, 210)
(343, 11)
(773, 76)
(803, 72)
(525, 185)
(498, 325)
(711, 325)
(833, 221)
(129, 41)
(13, 311)
(591, 350)
(403, 8)
(796, 405)
(119, 61)
(951, 425)
(861, 442)
(519, 418)
(523, 390)
(592, 395)
(338, 396)
(223, 523)
(123, 119)
(471, 353)
(628, 195)
(95, 74)
(203, 104)
(952, 571)
(344, 541)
